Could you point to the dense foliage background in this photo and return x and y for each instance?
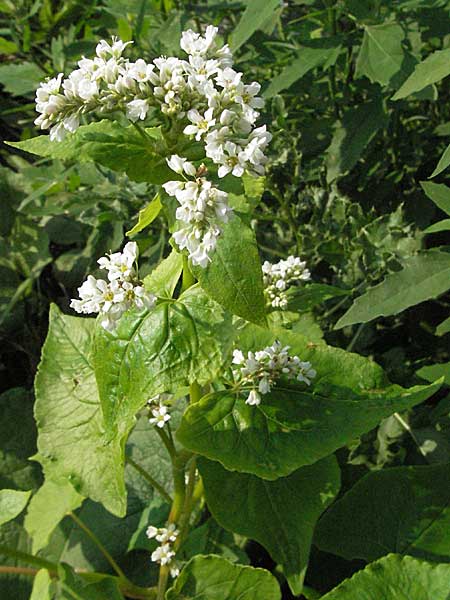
(348, 189)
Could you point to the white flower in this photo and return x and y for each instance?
(280, 276)
(180, 165)
(263, 368)
(164, 535)
(163, 554)
(120, 265)
(160, 416)
(137, 109)
(201, 124)
(115, 49)
(193, 43)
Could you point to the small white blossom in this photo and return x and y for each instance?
(137, 109)
(120, 265)
(200, 123)
(163, 554)
(180, 165)
(263, 368)
(160, 416)
(280, 276)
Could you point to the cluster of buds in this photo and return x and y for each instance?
(263, 368)
(159, 410)
(164, 553)
(110, 299)
(202, 211)
(278, 277)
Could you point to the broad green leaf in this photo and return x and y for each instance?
(42, 586)
(303, 323)
(381, 55)
(158, 350)
(306, 297)
(436, 371)
(214, 578)
(51, 503)
(254, 17)
(443, 225)
(20, 79)
(443, 327)
(72, 444)
(108, 143)
(74, 586)
(395, 578)
(366, 11)
(423, 276)
(248, 199)
(431, 70)
(164, 278)
(443, 163)
(280, 515)
(12, 503)
(352, 135)
(325, 53)
(295, 426)
(439, 193)
(146, 216)
(234, 276)
(405, 510)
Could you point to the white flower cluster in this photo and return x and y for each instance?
(261, 369)
(164, 554)
(205, 91)
(280, 276)
(203, 208)
(113, 297)
(158, 409)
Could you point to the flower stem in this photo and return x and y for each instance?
(99, 545)
(158, 487)
(188, 278)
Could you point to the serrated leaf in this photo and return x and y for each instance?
(158, 350)
(254, 17)
(51, 503)
(443, 163)
(108, 143)
(431, 70)
(146, 216)
(396, 578)
(71, 436)
(405, 510)
(381, 55)
(12, 503)
(351, 136)
(438, 193)
(216, 578)
(326, 52)
(280, 515)
(295, 426)
(234, 276)
(424, 276)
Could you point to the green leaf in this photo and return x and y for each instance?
(352, 135)
(146, 216)
(164, 278)
(293, 427)
(12, 503)
(72, 444)
(280, 515)
(156, 351)
(254, 17)
(443, 225)
(431, 70)
(436, 371)
(363, 10)
(423, 276)
(109, 144)
(42, 586)
(326, 52)
(51, 503)
(395, 578)
(443, 163)
(306, 297)
(73, 586)
(21, 79)
(405, 510)
(381, 55)
(439, 193)
(443, 327)
(234, 277)
(214, 578)
(247, 201)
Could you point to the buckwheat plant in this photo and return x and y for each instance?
(247, 414)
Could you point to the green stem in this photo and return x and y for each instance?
(167, 443)
(188, 505)
(99, 545)
(141, 131)
(188, 279)
(158, 487)
(41, 563)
